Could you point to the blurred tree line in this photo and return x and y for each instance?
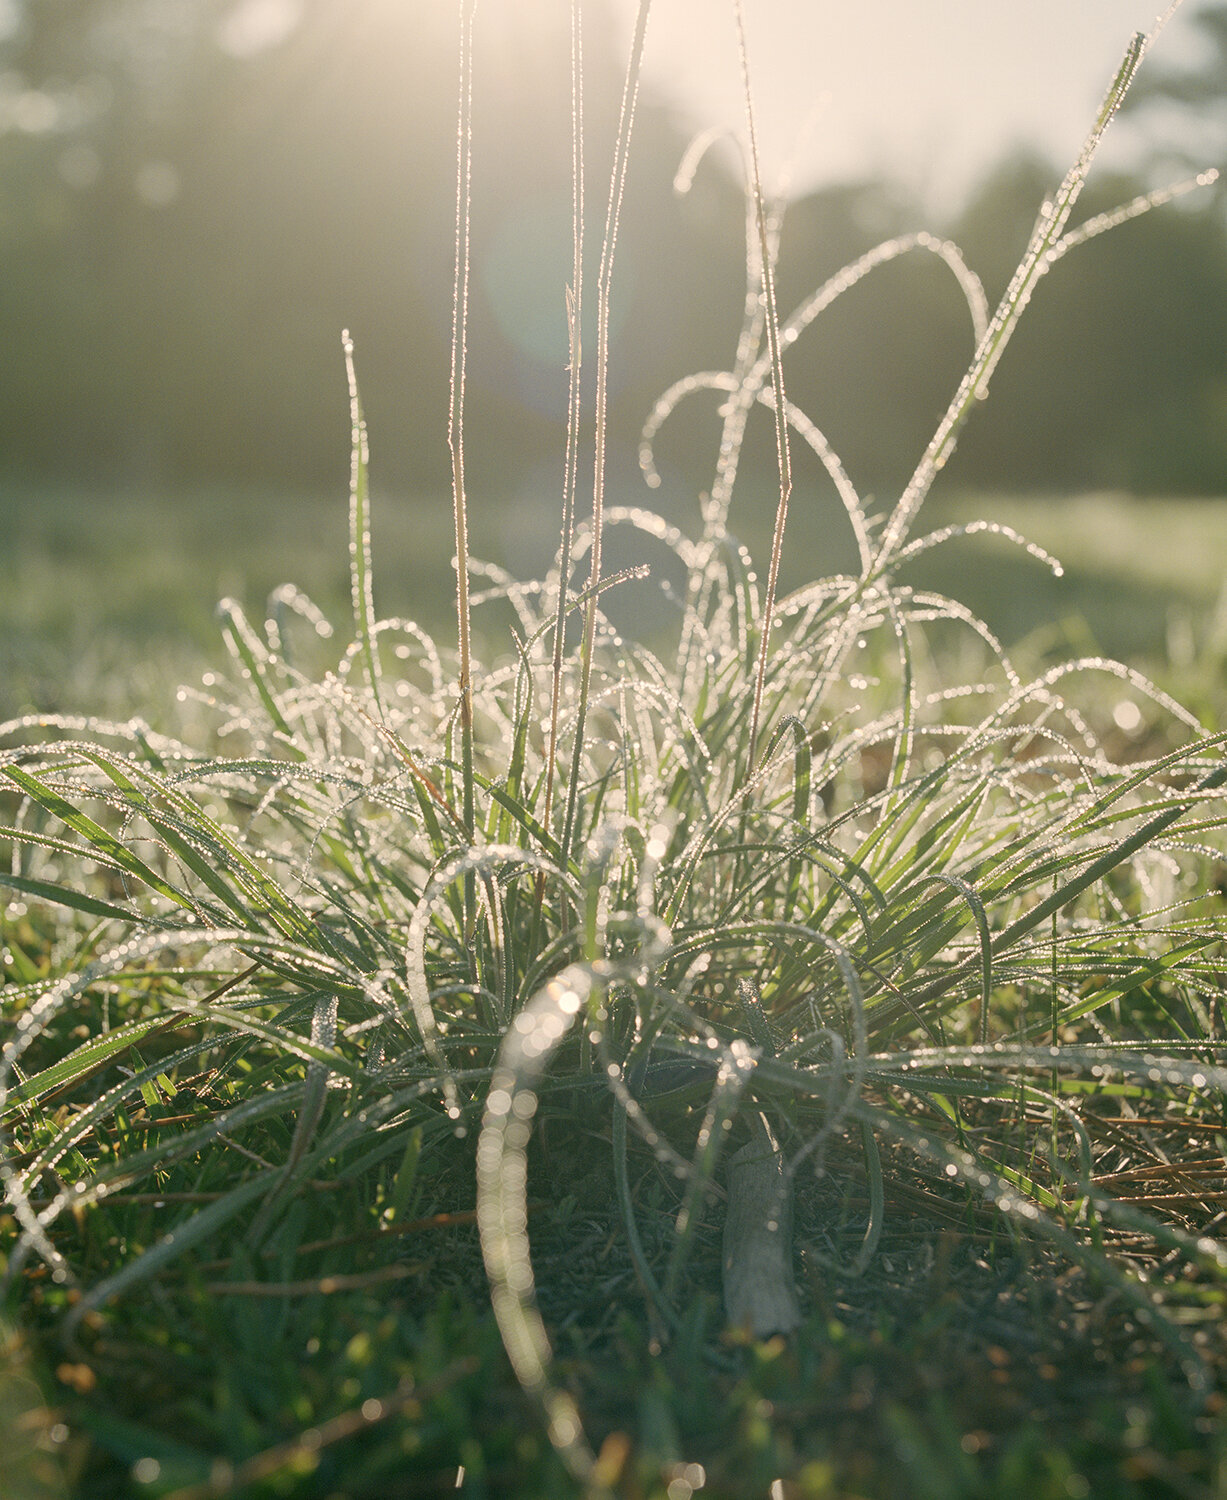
(199, 195)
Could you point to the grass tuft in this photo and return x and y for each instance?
(417, 944)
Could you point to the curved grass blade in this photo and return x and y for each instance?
(502, 1215)
(106, 843)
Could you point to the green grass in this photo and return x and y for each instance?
(108, 600)
(381, 1024)
(101, 590)
(1143, 580)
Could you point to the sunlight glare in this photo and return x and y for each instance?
(255, 26)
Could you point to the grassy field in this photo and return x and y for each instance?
(108, 600)
(754, 1037)
(1144, 578)
(967, 1359)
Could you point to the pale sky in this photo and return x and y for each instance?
(926, 91)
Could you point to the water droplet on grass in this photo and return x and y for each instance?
(1127, 715)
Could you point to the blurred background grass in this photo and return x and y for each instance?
(108, 599)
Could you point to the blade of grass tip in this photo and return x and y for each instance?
(201, 864)
(361, 589)
(777, 383)
(218, 850)
(81, 1063)
(974, 386)
(617, 189)
(123, 1171)
(1160, 22)
(248, 650)
(455, 421)
(956, 883)
(1148, 971)
(58, 1140)
(1134, 209)
(88, 1060)
(45, 890)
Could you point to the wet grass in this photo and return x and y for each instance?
(380, 1023)
(108, 601)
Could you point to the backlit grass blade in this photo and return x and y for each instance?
(455, 421)
(115, 851)
(203, 845)
(361, 587)
(80, 1063)
(521, 817)
(1046, 235)
(61, 895)
(1147, 972)
(501, 1203)
(249, 652)
(617, 189)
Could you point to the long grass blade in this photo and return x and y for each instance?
(360, 577)
(617, 189)
(455, 423)
(780, 404)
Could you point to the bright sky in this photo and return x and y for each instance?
(926, 91)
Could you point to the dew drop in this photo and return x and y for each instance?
(1127, 715)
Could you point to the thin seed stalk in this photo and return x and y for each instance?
(575, 323)
(455, 425)
(617, 189)
(777, 384)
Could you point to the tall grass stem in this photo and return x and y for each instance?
(772, 325)
(455, 425)
(1039, 256)
(575, 310)
(617, 190)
